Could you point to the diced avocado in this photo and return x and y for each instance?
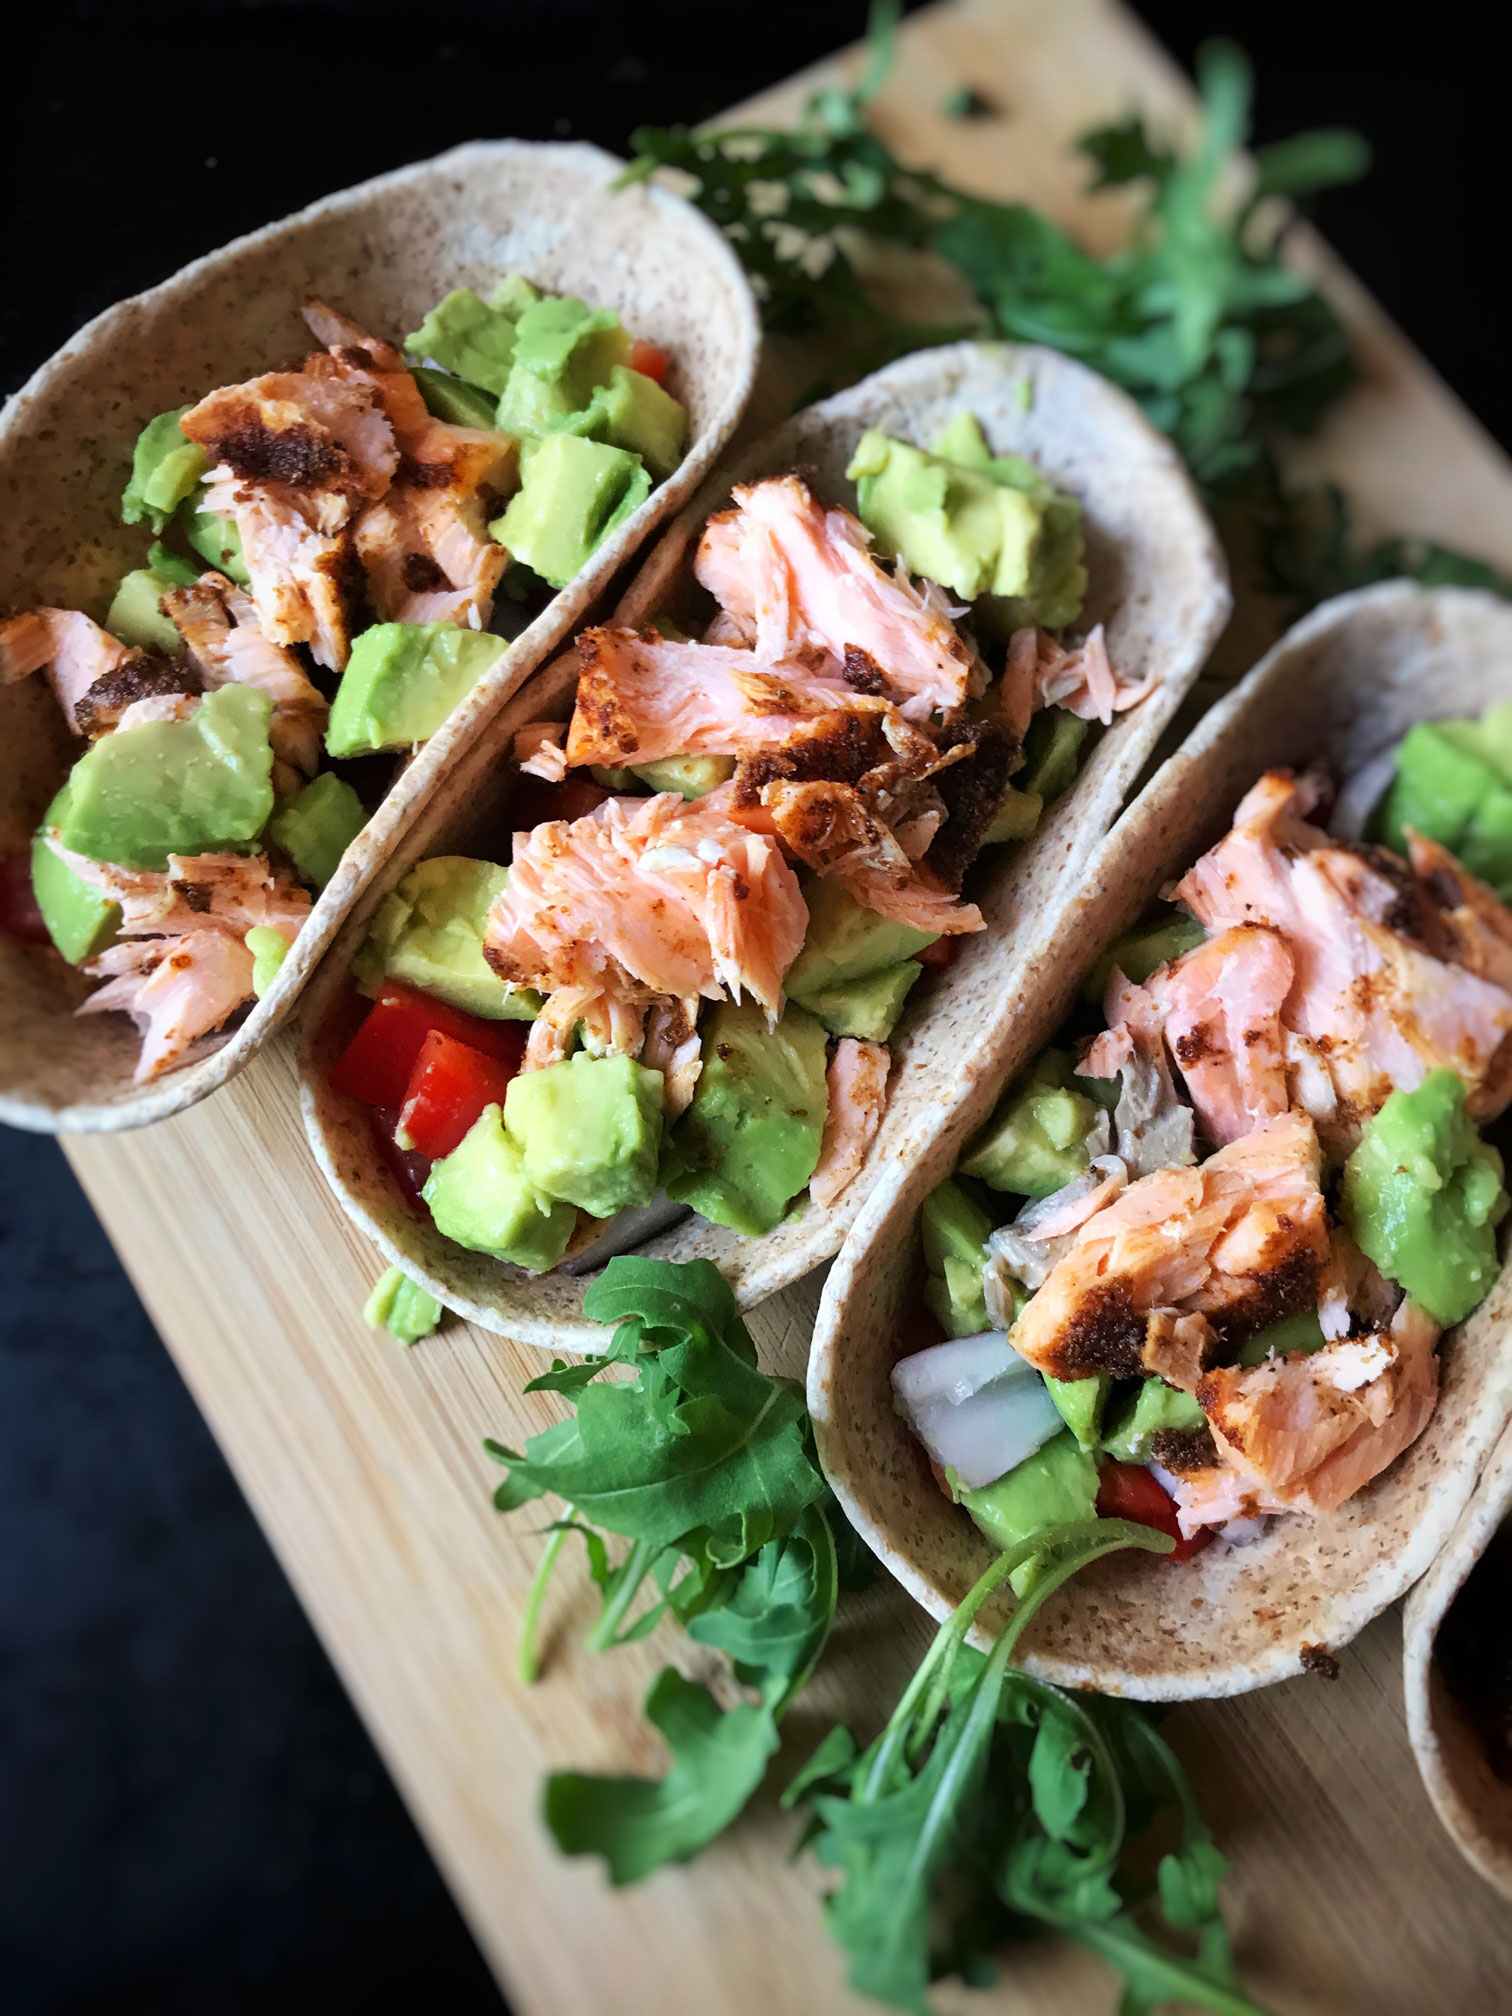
(953, 1231)
(402, 1307)
(216, 540)
(316, 825)
(633, 412)
(269, 949)
(466, 336)
(867, 1008)
(1035, 1142)
(1454, 783)
(513, 295)
(1138, 953)
(1054, 1486)
(573, 493)
(1154, 1407)
(749, 1142)
(134, 616)
(590, 1128)
(565, 350)
(1081, 1403)
(1051, 746)
(454, 400)
(429, 932)
(480, 1196)
(401, 682)
(1017, 818)
(845, 941)
(200, 786)
(955, 525)
(1422, 1197)
(165, 466)
(693, 776)
(79, 920)
(1302, 1332)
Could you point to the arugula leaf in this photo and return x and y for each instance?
(637, 1824)
(775, 1622)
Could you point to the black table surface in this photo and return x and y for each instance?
(191, 1817)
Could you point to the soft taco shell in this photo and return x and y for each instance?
(1157, 581)
(384, 252)
(1474, 1804)
(1341, 688)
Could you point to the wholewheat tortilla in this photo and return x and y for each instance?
(384, 252)
(1157, 581)
(1341, 689)
(1473, 1803)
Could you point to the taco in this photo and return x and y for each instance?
(1214, 1236)
(285, 531)
(1457, 1675)
(762, 867)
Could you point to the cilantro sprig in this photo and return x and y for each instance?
(1226, 347)
(989, 1804)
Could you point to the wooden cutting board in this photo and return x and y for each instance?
(364, 1462)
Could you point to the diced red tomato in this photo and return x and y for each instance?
(19, 915)
(377, 1064)
(944, 952)
(535, 801)
(449, 1087)
(408, 1167)
(1128, 1491)
(648, 359)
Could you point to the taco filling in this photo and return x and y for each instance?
(343, 548)
(1195, 1268)
(735, 862)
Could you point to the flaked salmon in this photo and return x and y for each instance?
(226, 645)
(1370, 1007)
(646, 897)
(94, 677)
(1238, 1241)
(233, 892)
(801, 586)
(674, 1048)
(857, 1084)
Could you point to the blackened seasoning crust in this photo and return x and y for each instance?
(972, 790)
(1105, 1335)
(145, 675)
(1184, 1450)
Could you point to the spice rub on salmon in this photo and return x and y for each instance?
(94, 678)
(1222, 1250)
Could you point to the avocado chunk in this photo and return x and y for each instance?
(573, 493)
(1035, 1142)
(1302, 1332)
(1051, 746)
(1153, 1408)
(1062, 574)
(402, 1307)
(79, 920)
(401, 682)
(1056, 1485)
(1422, 1197)
(134, 616)
(453, 400)
(1454, 783)
(693, 776)
(1081, 1403)
(165, 467)
(1017, 817)
(316, 824)
(429, 932)
(867, 1008)
(845, 941)
(269, 949)
(633, 412)
(469, 338)
(749, 1141)
(590, 1129)
(200, 786)
(1138, 953)
(480, 1196)
(216, 540)
(564, 350)
(953, 1230)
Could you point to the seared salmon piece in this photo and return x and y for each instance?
(1238, 1240)
(673, 1047)
(857, 1084)
(1309, 1429)
(801, 585)
(226, 645)
(1476, 924)
(1078, 677)
(1370, 1007)
(93, 676)
(300, 561)
(646, 897)
(425, 547)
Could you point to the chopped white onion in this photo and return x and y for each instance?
(976, 1405)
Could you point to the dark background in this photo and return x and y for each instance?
(191, 1817)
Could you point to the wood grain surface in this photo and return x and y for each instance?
(365, 1466)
